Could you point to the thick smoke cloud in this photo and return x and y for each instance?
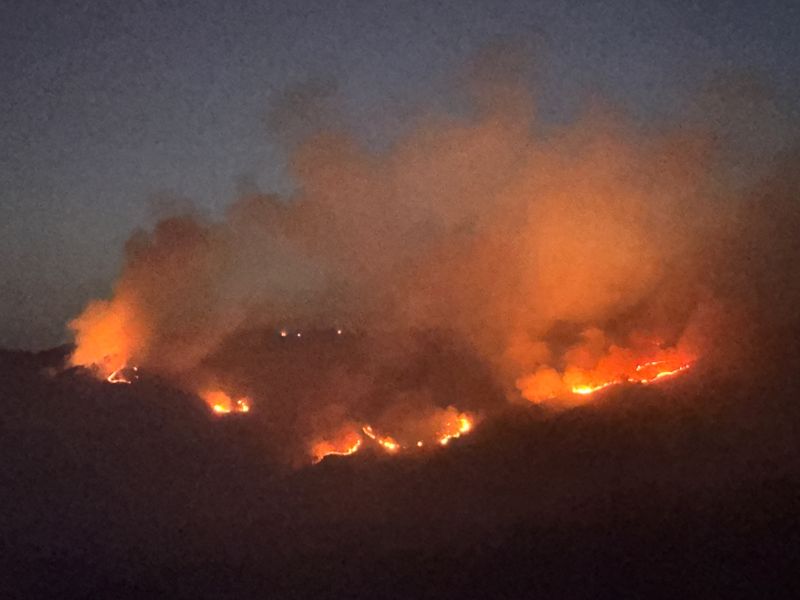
(472, 262)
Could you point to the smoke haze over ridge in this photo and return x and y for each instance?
(399, 300)
(540, 262)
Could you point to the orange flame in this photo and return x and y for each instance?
(222, 404)
(659, 369)
(386, 442)
(120, 375)
(345, 446)
(453, 427)
(596, 364)
(585, 390)
(644, 374)
(464, 425)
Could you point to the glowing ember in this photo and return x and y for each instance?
(652, 363)
(389, 444)
(123, 375)
(653, 371)
(284, 333)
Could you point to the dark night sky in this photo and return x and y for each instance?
(106, 105)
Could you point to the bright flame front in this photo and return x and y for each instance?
(126, 375)
(343, 445)
(643, 374)
(221, 403)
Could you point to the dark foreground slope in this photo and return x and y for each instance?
(136, 492)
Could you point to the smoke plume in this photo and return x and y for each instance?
(473, 262)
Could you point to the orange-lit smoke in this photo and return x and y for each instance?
(554, 264)
(343, 444)
(105, 335)
(595, 364)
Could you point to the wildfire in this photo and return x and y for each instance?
(390, 444)
(386, 442)
(660, 372)
(123, 375)
(456, 425)
(585, 390)
(222, 404)
(347, 445)
(106, 336)
(464, 425)
(645, 374)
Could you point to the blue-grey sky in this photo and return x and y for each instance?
(105, 105)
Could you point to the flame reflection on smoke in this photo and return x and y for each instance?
(595, 225)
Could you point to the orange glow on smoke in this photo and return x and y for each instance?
(345, 445)
(594, 365)
(222, 404)
(105, 337)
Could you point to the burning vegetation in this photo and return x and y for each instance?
(592, 365)
(438, 429)
(476, 261)
(222, 404)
